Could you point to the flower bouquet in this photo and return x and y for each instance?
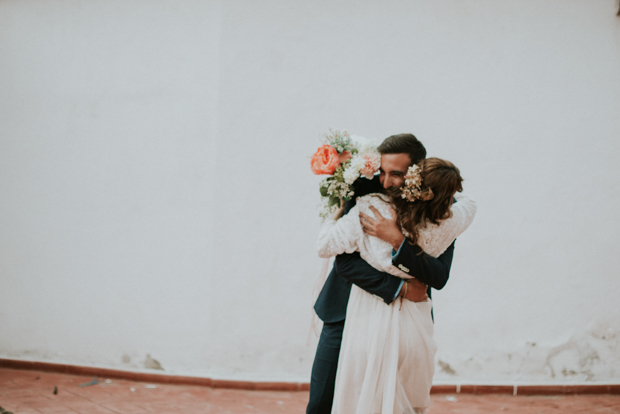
(345, 159)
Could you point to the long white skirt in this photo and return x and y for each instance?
(386, 361)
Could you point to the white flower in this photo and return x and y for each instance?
(368, 145)
(357, 162)
(363, 144)
(357, 139)
(351, 174)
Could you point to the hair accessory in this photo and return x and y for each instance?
(412, 189)
(427, 194)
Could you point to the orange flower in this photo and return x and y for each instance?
(325, 160)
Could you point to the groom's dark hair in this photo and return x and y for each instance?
(403, 143)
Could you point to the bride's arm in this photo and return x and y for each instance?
(463, 212)
(340, 236)
(436, 271)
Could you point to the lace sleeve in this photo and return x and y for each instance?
(463, 213)
(340, 236)
(436, 239)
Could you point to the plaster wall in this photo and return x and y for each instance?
(157, 198)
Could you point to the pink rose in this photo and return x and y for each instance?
(325, 160)
(372, 162)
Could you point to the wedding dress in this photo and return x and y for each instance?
(386, 361)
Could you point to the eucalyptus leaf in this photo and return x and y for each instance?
(333, 201)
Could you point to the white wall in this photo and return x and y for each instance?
(157, 197)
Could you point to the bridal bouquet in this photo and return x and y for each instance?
(344, 158)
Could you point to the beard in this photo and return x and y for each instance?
(393, 192)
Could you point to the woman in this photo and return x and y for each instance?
(386, 361)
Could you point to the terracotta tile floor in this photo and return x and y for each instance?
(30, 392)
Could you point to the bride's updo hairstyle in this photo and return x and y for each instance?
(443, 180)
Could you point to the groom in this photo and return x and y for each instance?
(398, 152)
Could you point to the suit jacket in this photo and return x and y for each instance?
(331, 305)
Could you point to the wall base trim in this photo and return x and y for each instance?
(571, 389)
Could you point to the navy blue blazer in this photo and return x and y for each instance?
(331, 305)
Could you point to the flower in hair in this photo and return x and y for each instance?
(412, 189)
(413, 183)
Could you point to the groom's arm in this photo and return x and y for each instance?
(356, 270)
(431, 271)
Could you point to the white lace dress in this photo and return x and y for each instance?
(386, 361)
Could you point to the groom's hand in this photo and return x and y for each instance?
(383, 228)
(415, 291)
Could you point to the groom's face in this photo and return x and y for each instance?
(393, 169)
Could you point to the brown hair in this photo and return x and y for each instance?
(403, 143)
(444, 179)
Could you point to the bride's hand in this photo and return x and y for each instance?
(340, 212)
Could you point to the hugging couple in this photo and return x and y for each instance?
(393, 242)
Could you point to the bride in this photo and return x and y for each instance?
(386, 361)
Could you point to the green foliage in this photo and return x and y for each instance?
(340, 140)
(333, 201)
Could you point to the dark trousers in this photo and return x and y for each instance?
(323, 376)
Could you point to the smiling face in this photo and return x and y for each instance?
(393, 169)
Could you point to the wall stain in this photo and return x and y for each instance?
(591, 355)
(446, 367)
(151, 363)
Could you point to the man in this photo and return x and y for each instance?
(398, 152)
